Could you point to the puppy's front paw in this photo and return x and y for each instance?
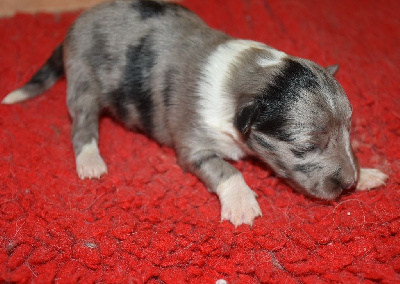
(90, 166)
(370, 178)
(89, 163)
(238, 201)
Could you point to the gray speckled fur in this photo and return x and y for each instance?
(105, 62)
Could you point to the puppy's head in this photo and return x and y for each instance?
(298, 122)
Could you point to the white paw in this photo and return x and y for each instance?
(238, 201)
(370, 178)
(89, 163)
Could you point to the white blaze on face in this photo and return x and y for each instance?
(348, 149)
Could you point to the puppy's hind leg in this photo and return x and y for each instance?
(84, 107)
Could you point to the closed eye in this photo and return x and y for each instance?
(301, 152)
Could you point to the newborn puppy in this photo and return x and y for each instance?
(160, 69)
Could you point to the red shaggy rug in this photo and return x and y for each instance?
(147, 221)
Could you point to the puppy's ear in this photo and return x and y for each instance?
(246, 116)
(333, 69)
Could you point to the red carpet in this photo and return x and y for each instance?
(147, 221)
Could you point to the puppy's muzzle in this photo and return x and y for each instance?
(343, 184)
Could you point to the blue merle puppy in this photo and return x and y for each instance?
(160, 69)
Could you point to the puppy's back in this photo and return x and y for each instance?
(147, 58)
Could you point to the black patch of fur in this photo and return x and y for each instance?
(135, 84)
(149, 9)
(98, 56)
(53, 68)
(307, 168)
(277, 98)
(264, 143)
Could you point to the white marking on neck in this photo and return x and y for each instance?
(216, 104)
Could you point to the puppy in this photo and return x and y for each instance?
(160, 69)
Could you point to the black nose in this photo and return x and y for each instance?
(348, 186)
(335, 187)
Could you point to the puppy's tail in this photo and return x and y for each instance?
(43, 80)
